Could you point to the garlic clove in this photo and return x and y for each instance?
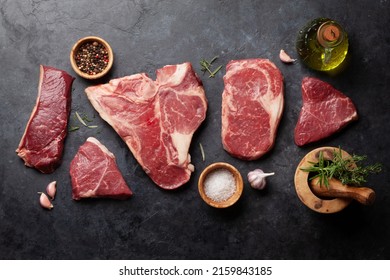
(285, 57)
(45, 201)
(51, 189)
(258, 183)
(257, 177)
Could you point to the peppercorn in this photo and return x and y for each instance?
(92, 58)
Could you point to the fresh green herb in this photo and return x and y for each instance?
(84, 119)
(73, 128)
(206, 66)
(216, 71)
(80, 119)
(347, 170)
(202, 152)
(213, 59)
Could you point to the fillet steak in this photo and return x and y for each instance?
(42, 143)
(252, 105)
(94, 173)
(325, 111)
(156, 119)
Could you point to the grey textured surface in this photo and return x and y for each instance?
(158, 224)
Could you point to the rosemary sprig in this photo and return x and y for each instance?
(206, 65)
(343, 169)
(73, 128)
(84, 119)
(80, 119)
(202, 152)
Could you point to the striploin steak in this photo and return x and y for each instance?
(325, 111)
(94, 173)
(252, 105)
(42, 143)
(156, 119)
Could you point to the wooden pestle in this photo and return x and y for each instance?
(336, 189)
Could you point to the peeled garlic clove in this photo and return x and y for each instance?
(257, 177)
(51, 189)
(285, 57)
(45, 201)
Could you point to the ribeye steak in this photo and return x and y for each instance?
(42, 143)
(252, 105)
(325, 111)
(94, 173)
(156, 119)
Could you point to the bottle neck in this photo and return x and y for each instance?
(330, 34)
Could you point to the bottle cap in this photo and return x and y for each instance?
(329, 34)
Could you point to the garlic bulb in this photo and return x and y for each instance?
(257, 178)
(45, 201)
(285, 57)
(51, 189)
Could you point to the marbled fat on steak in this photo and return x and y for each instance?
(252, 105)
(325, 111)
(42, 143)
(156, 119)
(94, 173)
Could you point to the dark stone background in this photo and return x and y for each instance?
(158, 224)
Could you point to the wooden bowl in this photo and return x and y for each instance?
(303, 189)
(81, 42)
(238, 180)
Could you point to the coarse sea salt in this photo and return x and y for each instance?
(220, 185)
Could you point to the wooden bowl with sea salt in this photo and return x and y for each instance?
(220, 185)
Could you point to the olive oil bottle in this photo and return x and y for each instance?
(322, 44)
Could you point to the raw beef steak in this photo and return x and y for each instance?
(156, 119)
(325, 111)
(252, 105)
(42, 143)
(94, 173)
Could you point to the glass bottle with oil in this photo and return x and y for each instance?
(322, 44)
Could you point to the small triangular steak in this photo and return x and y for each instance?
(325, 111)
(94, 173)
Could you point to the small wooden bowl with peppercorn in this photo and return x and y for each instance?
(220, 185)
(91, 57)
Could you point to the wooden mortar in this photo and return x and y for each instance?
(304, 191)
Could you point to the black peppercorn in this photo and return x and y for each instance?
(91, 58)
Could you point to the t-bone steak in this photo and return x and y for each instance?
(42, 143)
(94, 173)
(252, 105)
(156, 119)
(325, 111)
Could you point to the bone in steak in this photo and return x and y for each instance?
(94, 173)
(325, 111)
(42, 143)
(156, 119)
(252, 105)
